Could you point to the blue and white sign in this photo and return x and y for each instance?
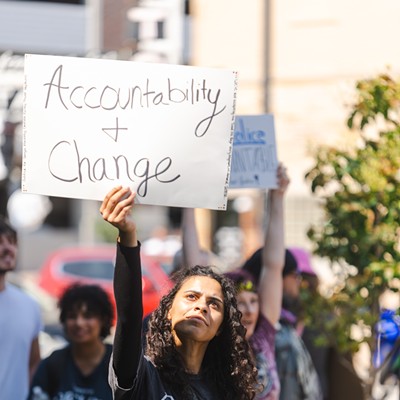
(254, 156)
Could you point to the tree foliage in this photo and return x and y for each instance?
(359, 188)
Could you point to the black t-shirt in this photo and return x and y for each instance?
(149, 385)
(60, 378)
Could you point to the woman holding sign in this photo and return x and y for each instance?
(196, 347)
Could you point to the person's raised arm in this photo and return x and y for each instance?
(273, 254)
(116, 209)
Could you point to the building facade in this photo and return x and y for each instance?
(299, 60)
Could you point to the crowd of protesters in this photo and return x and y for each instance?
(231, 335)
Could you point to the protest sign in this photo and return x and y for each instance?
(164, 130)
(254, 157)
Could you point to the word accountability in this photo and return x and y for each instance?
(144, 95)
(113, 168)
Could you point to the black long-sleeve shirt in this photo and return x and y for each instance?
(132, 376)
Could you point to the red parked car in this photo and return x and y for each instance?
(95, 265)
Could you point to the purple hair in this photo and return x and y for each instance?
(242, 279)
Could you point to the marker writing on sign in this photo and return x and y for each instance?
(144, 95)
(253, 159)
(245, 136)
(116, 168)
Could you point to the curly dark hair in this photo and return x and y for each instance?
(96, 300)
(228, 362)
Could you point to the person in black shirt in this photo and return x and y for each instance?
(80, 369)
(196, 346)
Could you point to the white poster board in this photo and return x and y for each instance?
(164, 130)
(254, 157)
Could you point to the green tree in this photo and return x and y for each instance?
(359, 188)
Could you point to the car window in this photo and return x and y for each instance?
(95, 269)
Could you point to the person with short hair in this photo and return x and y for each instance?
(20, 324)
(79, 370)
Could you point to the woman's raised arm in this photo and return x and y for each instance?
(273, 254)
(127, 350)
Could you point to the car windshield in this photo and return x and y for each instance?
(95, 269)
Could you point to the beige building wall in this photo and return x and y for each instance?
(318, 50)
(304, 57)
(229, 34)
